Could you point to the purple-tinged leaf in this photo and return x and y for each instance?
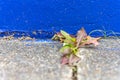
(73, 59)
(81, 34)
(64, 60)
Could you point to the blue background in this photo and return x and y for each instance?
(54, 15)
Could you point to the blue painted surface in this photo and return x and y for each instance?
(54, 15)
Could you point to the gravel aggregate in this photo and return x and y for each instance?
(40, 60)
(22, 60)
(101, 62)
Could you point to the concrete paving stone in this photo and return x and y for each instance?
(101, 62)
(20, 60)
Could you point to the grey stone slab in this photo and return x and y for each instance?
(100, 63)
(31, 61)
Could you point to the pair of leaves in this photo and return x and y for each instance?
(69, 55)
(71, 44)
(83, 39)
(69, 59)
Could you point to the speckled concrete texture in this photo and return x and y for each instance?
(101, 62)
(34, 60)
(21, 60)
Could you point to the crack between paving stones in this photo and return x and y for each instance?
(74, 73)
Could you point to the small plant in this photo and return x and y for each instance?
(71, 45)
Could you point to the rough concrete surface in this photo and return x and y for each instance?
(22, 60)
(31, 61)
(100, 63)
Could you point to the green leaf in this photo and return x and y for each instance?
(66, 49)
(69, 42)
(67, 36)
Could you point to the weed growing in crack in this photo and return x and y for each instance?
(72, 45)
